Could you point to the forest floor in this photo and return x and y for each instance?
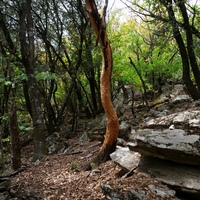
(59, 176)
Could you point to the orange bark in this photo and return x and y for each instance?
(112, 129)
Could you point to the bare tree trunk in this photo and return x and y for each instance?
(1, 151)
(15, 140)
(26, 34)
(98, 24)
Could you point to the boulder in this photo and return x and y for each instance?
(126, 158)
(129, 161)
(139, 194)
(124, 130)
(184, 178)
(112, 194)
(176, 145)
(181, 99)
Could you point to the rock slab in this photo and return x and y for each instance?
(184, 178)
(180, 177)
(189, 120)
(176, 145)
(127, 159)
(112, 194)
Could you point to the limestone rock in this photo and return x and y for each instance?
(178, 90)
(129, 161)
(113, 194)
(124, 130)
(188, 120)
(125, 158)
(175, 145)
(139, 194)
(181, 98)
(179, 177)
(184, 178)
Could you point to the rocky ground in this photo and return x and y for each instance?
(59, 175)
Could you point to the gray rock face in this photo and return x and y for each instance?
(162, 193)
(189, 120)
(168, 146)
(112, 194)
(173, 142)
(126, 158)
(184, 178)
(181, 98)
(178, 90)
(124, 129)
(175, 145)
(131, 161)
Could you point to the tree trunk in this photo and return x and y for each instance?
(26, 34)
(27, 97)
(14, 135)
(90, 74)
(183, 52)
(1, 151)
(190, 45)
(141, 79)
(112, 129)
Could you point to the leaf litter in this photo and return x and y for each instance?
(59, 176)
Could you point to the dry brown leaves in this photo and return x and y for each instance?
(59, 176)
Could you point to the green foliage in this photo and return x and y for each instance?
(7, 139)
(24, 122)
(24, 128)
(4, 118)
(19, 74)
(151, 49)
(45, 75)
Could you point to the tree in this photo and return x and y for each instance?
(15, 140)
(175, 14)
(1, 152)
(186, 50)
(43, 51)
(153, 60)
(99, 26)
(65, 34)
(26, 35)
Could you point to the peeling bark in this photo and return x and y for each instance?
(98, 24)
